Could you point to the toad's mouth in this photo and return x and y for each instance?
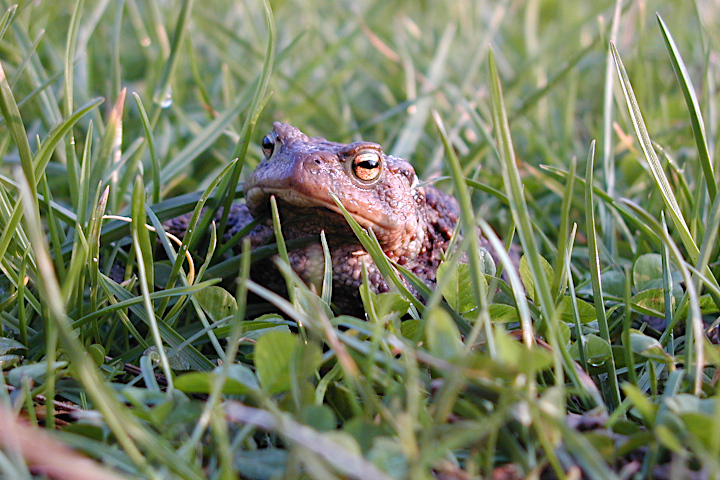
(293, 202)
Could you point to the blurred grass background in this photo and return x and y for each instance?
(168, 91)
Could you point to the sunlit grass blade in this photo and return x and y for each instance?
(595, 275)
(11, 113)
(232, 349)
(44, 153)
(327, 281)
(467, 215)
(608, 157)
(581, 338)
(192, 234)
(12, 236)
(657, 170)
(257, 104)
(696, 118)
(109, 150)
(561, 260)
(709, 241)
(521, 301)
(55, 230)
(280, 241)
(170, 292)
(190, 279)
(622, 206)
(521, 216)
(69, 83)
(154, 161)
(661, 180)
(165, 210)
(7, 19)
(695, 343)
(144, 253)
(28, 57)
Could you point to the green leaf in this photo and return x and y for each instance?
(597, 350)
(365, 431)
(443, 337)
(8, 344)
(648, 347)
(613, 283)
(652, 300)
(273, 353)
(669, 439)
(387, 453)
(642, 403)
(457, 286)
(217, 302)
(516, 356)
(501, 313)
(281, 359)
(412, 330)
(319, 417)
(261, 463)
(97, 353)
(35, 371)
(697, 425)
(527, 277)
(687, 403)
(648, 272)
(240, 380)
(708, 306)
(585, 310)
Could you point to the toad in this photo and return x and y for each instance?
(413, 223)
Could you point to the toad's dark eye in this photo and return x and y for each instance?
(367, 166)
(268, 144)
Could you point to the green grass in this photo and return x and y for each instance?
(585, 133)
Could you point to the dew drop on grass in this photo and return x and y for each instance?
(164, 99)
(167, 101)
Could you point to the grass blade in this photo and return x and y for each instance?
(595, 275)
(660, 179)
(11, 113)
(154, 161)
(696, 119)
(144, 252)
(521, 216)
(658, 173)
(467, 215)
(70, 52)
(257, 105)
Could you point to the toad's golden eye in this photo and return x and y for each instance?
(268, 144)
(367, 166)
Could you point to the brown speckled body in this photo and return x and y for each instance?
(412, 223)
